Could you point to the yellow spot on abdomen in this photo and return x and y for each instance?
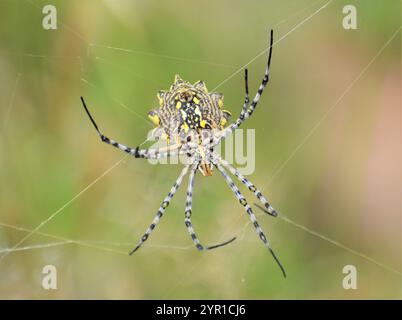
(185, 127)
(155, 119)
(220, 103)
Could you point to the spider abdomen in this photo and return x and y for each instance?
(188, 106)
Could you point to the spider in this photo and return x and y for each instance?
(196, 121)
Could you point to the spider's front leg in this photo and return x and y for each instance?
(247, 111)
(136, 152)
(246, 98)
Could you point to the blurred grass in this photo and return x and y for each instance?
(344, 182)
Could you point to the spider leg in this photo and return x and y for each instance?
(136, 152)
(162, 208)
(187, 220)
(246, 98)
(268, 208)
(250, 213)
(189, 204)
(257, 97)
(248, 111)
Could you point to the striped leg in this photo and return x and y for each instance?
(248, 111)
(250, 212)
(189, 204)
(268, 208)
(247, 98)
(170, 151)
(162, 208)
(136, 152)
(257, 97)
(187, 219)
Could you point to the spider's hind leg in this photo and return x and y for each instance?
(250, 213)
(187, 211)
(187, 219)
(161, 209)
(267, 206)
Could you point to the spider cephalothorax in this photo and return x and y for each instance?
(192, 122)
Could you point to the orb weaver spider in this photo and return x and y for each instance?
(186, 113)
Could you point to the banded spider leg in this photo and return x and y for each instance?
(136, 152)
(249, 211)
(247, 111)
(267, 207)
(188, 210)
(162, 208)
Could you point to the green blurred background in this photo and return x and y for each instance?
(339, 175)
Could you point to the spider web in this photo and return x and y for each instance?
(121, 248)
